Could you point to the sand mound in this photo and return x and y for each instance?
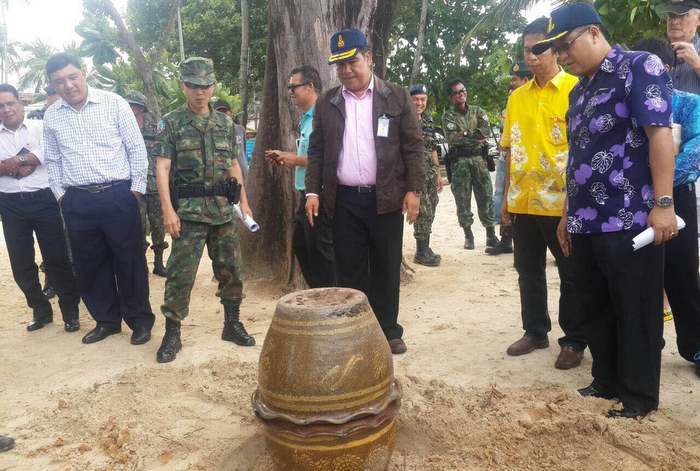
(200, 418)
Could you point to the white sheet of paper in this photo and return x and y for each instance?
(646, 237)
(383, 127)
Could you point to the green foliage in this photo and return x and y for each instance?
(482, 64)
(99, 38)
(628, 21)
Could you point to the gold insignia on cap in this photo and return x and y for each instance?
(341, 41)
(516, 68)
(550, 25)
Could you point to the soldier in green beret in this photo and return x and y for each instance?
(198, 151)
(149, 205)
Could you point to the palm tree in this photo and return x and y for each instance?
(34, 65)
(99, 39)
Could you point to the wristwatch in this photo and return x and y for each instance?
(22, 158)
(664, 201)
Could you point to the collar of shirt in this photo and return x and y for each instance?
(92, 97)
(3, 128)
(308, 113)
(368, 93)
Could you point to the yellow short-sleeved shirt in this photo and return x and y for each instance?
(535, 132)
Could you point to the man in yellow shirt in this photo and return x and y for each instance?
(534, 138)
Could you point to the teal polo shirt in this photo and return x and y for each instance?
(305, 128)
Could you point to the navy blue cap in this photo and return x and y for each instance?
(418, 89)
(521, 70)
(565, 19)
(677, 7)
(345, 44)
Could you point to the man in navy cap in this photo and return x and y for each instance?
(619, 182)
(433, 181)
(365, 161)
(682, 21)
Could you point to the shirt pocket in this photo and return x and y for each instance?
(553, 126)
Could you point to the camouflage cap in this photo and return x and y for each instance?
(198, 71)
(136, 98)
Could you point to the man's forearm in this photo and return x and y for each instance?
(163, 184)
(238, 175)
(661, 161)
(506, 181)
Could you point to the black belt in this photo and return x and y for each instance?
(359, 188)
(200, 191)
(28, 195)
(100, 187)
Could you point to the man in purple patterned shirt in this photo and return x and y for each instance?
(619, 181)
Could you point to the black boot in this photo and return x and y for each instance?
(158, 268)
(504, 246)
(430, 251)
(171, 343)
(423, 256)
(491, 239)
(468, 238)
(233, 328)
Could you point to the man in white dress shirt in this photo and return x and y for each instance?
(97, 166)
(29, 208)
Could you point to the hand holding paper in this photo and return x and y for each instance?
(646, 237)
(247, 220)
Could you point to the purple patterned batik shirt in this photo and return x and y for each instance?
(609, 182)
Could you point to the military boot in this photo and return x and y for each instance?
(233, 328)
(171, 342)
(491, 239)
(468, 238)
(158, 268)
(430, 251)
(423, 256)
(504, 246)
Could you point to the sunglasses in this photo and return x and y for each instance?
(293, 86)
(458, 92)
(193, 86)
(565, 45)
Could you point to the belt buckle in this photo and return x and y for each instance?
(364, 189)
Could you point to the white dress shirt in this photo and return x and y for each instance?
(29, 134)
(99, 143)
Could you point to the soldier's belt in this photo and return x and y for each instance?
(199, 191)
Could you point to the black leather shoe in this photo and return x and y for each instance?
(100, 333)
(72, 325)
(6, 443)
(595, 391)
(140, 336)
(627, 413)
(49, 292)
(37, 324)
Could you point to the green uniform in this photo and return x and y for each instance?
(149, 205)
(463, 131)
(429, 192)
(202, 150)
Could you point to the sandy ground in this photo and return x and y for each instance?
(467, 406)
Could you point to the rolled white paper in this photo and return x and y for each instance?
(646, 237)
(248, 221)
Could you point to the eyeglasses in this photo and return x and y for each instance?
(293, 86)
(565, 45)
(458, 92)
(194, 86)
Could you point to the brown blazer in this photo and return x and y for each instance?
(400, 163)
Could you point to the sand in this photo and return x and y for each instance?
(467, 406)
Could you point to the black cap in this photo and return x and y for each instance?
(219, 104)
(521, 70)
(677, 7)
(564, 20)
(346, 44)
(418, 89)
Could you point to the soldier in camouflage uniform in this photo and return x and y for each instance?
(466, 129)
(433, 182)
(149, 204)
(198, 144)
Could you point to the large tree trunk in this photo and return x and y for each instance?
(300, 32)
(421, 38)
(380, 28)
(243, 80)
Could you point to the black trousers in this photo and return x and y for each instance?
(24, 215)
(532, 236)
(622, 296)
(681, 279)
(368, 251)
(105, 233)
(313, 247)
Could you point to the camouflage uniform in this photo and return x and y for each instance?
(470, 171)
(151, 212)
(202, 150)
(429, 192)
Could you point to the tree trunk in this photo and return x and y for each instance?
(380, 28)
(243, 80)
(299, 33)
(421, 39)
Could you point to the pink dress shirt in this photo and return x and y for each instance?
(357, 162)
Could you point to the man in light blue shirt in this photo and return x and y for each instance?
(97, 165)
(313, 246)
